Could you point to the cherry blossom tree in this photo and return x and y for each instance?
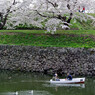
(60, 12)
(54, 14)
(24, 15)
(15, 12)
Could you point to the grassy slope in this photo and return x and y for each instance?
(82, 25)
(84, 37)
(70, 38)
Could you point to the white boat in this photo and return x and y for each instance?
(65, 81)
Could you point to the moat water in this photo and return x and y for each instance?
(20, 83)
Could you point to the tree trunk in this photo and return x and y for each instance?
(68, 21)
(3, 22)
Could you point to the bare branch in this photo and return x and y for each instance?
(14, 2)
(53, 4)
(45, 15)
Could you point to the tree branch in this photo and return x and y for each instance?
(45, 15)
(68, 21)
(53, 4)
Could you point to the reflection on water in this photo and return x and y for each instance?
(30, 92)
(66, 85)
(18, 83)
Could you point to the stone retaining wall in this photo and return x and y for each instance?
(77, 61)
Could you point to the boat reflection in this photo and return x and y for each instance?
(71, 85)
(67, 85)
(28, 92)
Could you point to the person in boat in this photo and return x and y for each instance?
(55, 77)
(69, 77)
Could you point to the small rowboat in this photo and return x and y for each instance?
(65, 81)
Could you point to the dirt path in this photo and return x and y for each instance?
(54, 35)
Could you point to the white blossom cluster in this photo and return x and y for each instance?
(52, 24)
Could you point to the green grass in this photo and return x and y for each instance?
(82, 25)
(92, 14)
(61, 39)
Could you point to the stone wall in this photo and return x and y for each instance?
(77, 61)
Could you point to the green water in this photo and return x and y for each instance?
(18, 83)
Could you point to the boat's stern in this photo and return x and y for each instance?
(82, 80)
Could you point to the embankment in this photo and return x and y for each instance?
(77, 61)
